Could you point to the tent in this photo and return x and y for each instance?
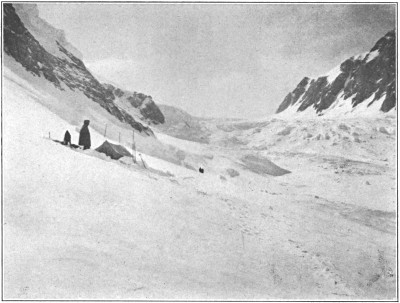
(113, 150)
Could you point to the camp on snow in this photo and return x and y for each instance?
(114, 151)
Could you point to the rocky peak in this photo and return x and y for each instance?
(367, 78)
(385, 43)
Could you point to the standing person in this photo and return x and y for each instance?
(84, 135)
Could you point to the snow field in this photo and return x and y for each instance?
(79, 227)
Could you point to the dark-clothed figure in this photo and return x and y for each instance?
(67, 138)
(84, 135)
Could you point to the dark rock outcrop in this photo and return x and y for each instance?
(68, 71)
(23, 47)
(359, 79)
(142, 102)
(292, 97)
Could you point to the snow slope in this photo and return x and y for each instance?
(75, 107)
(78, 225)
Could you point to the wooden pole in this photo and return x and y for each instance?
(133, 147)
(105, 131)
(144, 165)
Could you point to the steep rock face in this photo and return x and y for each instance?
(44, 33)
(291, 98)
(365, 78)
(64, 71)
(145, 104)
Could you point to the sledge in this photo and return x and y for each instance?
(66, 144)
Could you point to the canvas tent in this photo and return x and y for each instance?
(113, 150)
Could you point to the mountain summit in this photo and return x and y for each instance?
(367, 79)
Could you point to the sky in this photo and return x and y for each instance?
(218, 60)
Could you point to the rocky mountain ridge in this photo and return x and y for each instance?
(63, 67)
(370, 77)
(145, 107)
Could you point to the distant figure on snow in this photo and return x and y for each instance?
(201, 170)
(84, 135)
(67, 138)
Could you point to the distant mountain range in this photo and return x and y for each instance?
(367, 79)
(43, 51)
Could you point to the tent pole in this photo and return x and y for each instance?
(133, 146)
(144, 165)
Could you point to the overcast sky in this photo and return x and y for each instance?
(221, 60)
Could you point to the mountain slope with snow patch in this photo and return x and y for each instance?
(43, 51)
